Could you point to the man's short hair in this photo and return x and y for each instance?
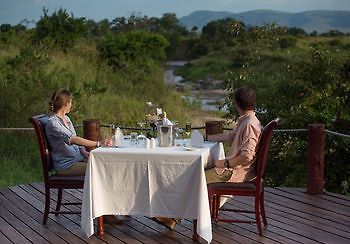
(245, 98)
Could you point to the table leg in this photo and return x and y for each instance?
(100, 229)
(195, 236)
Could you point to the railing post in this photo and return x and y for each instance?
(315, 159)
(91, 130)
(213, 127)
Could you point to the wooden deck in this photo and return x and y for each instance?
(293, 217)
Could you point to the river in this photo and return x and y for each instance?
(209, 99)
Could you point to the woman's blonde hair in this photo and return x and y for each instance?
(58, 99)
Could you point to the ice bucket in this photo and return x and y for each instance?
(166, 135)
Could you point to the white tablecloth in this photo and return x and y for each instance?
(161, 181)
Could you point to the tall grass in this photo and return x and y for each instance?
(19, 158)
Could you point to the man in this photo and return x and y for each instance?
(239, 164)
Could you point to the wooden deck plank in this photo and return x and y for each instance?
(69, 221)
(159, 232)
(308, 214)
(30, 222)
(140, 232)
(111, 234)
(293, 217)
(311, 220)
(306, 205)
(182, 235)
(141, 236)
(343, 200)
(11, 233)
(22, 228)
(322, 200)
(3, 239)
(37, 216)
(275, 225)
(68, 231)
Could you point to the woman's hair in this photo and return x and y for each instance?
(58, 99)
(245, 98)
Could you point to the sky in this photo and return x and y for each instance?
(14, 11)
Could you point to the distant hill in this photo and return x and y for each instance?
(320, 21)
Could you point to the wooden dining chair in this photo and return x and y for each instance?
(53, 181)
(253, 189)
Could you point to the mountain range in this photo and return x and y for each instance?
(318, 20)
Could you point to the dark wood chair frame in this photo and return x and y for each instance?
(53, 181)
(253, 189)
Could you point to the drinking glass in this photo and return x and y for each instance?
(133, 138)
(141, 124)
(188, 129)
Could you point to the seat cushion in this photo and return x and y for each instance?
(233, 185)
(66, 178)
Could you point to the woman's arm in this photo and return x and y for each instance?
(83, 142)
(88, 143)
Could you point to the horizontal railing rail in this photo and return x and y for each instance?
(113, 126)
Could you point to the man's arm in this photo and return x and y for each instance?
(232, 162)
(225, 137)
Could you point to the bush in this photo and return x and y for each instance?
(137, 47)
(287, 42)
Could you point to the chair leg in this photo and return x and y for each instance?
(59, 200)
(257, 215)
(47, 205)
(262, 208)
(217, 207)
(211, 204)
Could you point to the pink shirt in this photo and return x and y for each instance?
(245, 138)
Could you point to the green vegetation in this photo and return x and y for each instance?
(113, 68)
(298, 78)
(112, 71)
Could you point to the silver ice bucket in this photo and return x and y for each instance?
(166, 135)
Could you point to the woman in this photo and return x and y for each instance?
(67, 149)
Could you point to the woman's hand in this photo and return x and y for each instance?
(84, 152)
(107, 142)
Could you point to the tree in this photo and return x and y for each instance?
(224, 32)
(60, 29)
(136, 47)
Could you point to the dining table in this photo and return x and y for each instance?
(153, 182)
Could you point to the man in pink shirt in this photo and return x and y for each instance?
(239, 164)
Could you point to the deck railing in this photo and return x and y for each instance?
(315, 144)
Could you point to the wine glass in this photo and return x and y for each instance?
(133, 138)
(141, 124)
(188, 129)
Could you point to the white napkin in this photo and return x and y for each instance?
(118, 137)
(197, 139)
(166, 121)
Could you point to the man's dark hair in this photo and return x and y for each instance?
(245, 98)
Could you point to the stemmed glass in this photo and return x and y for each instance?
(141, 136)
(141, 124)
(188, 129)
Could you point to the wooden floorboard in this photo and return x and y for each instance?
(293, 217)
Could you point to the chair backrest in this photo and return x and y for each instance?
(39, 123)
(263, 150)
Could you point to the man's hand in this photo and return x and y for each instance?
(219, 163)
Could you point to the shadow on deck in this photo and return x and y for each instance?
(293, 217)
